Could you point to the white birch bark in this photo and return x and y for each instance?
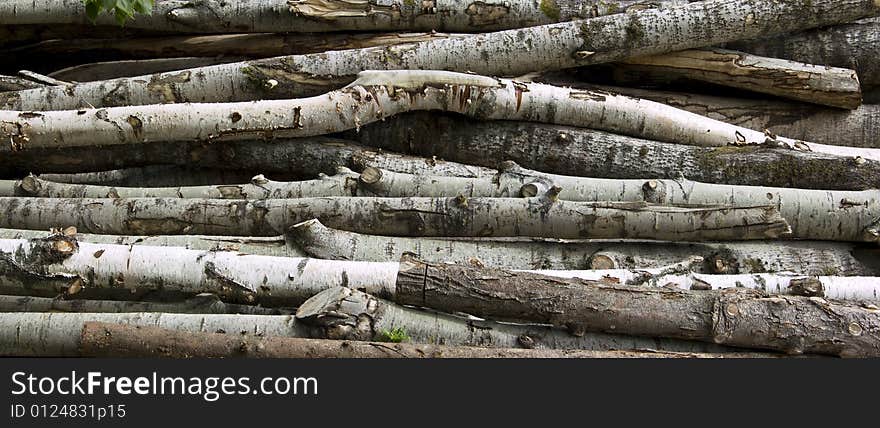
(376, 95)
(150, 175)
(806, 257)
(201, 304)
(50, 267)
(344, 183)
(824, 85)
(360, 316)
(506, 53)
(535, 217)
(106, 70)
(57, 334)
(277, 246)
(216, 16)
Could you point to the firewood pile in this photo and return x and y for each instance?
(440, 178)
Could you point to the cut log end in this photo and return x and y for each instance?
(371, 175)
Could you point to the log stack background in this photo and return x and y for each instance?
(553, 178)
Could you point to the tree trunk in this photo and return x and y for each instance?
(853, 45)
(345, 314)
(581, 152)
(58, 334)
(805, 257)
(376, 95)
(60, 265)
(830, 86)
(744, 318)
(857, 128)
(152, 175)
(277, 246)
(201, 304)
(124, 341)
(536, 217)
(548, 47)
(90, 72)
(280, 16)
(344, 183)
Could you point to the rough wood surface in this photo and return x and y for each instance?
(733, 317)
(201, 304)
(121, 341)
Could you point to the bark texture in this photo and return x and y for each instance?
(201, 304)
(460, 216)
(581, 152)
(61, 265)
(806, 257)
(90, 72)
(506, 53)
(824, 85)
(346, 314)
(745, 318)
(57, 334)
(119, 340)
(148, 175)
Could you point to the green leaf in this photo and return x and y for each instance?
(92, 10)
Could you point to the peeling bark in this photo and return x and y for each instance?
(90, 72)
(510, 53)
(806, 257)
(277, 246)
(60, 265)
(733, 317)
(202, 304)
(57, 334)
(536, 217)
(346, 314)
(830, 86)
(117, 340)
(15, 83)
(581, 152)
(376, 95)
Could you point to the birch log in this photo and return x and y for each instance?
(57, 334)
(105, 70)
(581, 152)
(123, 341)
(824, 85)
(806, 257)
(858, 128)
(345, 314)
(201, 304)
(853, 45)
(536, 217)
(375, 95)
(61, 265)
(278, 246)
(343, 183)
(744, 318)
(152, 175)
(509, 53)
(279, 16)
(15, 83)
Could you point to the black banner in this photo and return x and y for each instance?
(135, 393)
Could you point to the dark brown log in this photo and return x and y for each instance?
(733, 317)
(118, 340)
(588, 153)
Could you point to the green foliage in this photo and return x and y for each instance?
(122, 9)
(396, 335)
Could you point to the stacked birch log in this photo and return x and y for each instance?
(441, 178)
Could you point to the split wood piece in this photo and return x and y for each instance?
(376, 95)
(106, 70)
(460, 216)
(345, 314)
(343, 183)
(547, 47)
(734, 317)
(58, 334)
(126, 341)
(583, 152)
(278, 246)
(281, 16)
(149, 175)
(200, 304)
(806, 257)
(16, 83)
(59, 265)
(857, 128)
(824, 85)
(853, 45)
